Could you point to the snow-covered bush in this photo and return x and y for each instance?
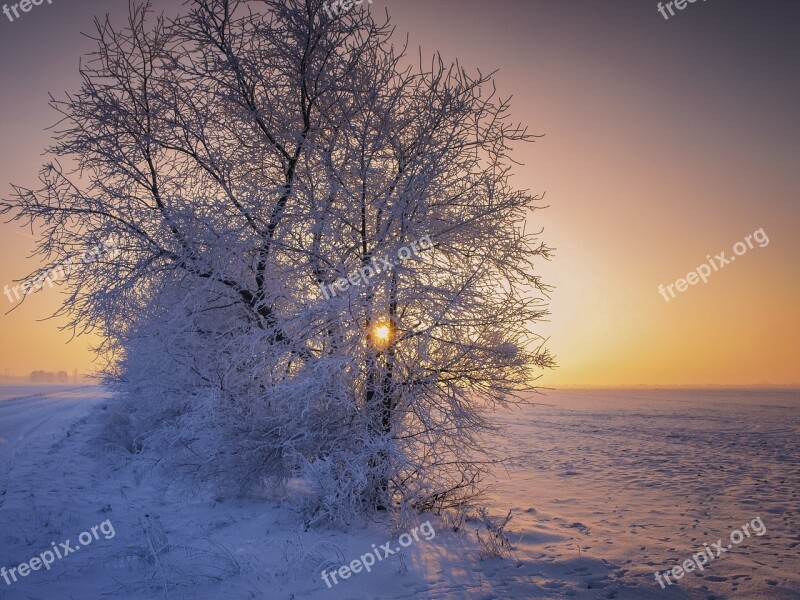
(494, 541)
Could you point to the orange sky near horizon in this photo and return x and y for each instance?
(665, 142)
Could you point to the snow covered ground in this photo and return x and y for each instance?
(605, 488)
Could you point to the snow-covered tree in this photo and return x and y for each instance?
(246, 157)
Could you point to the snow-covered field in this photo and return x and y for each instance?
(605, 488)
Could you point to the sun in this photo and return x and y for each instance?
(382, 332)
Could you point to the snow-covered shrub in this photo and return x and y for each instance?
(116, 431)
(494, 541)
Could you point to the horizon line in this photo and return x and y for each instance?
(694, 386)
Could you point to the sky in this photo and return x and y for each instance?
(666, 141)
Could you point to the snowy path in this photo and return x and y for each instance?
(36, 414)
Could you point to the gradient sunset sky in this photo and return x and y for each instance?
(665, 141)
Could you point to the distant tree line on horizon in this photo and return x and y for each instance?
(51, 377)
